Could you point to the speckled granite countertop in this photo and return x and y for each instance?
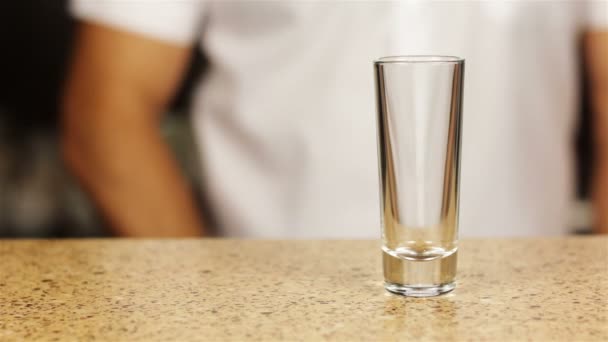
(126, 290)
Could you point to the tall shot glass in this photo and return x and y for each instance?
(419, 116)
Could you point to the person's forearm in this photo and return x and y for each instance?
(130, 173)
(596, 53)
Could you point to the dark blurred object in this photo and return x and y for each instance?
(584, 139)
(38, 198)
(35, 40)
(584, 157)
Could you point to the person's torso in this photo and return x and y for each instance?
(286, 115)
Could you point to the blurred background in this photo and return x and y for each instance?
(38, 198)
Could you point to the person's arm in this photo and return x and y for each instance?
(118, 86)
(596, 59)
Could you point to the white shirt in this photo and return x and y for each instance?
(285, 117)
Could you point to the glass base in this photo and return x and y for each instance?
(413, 291)
(419, 277)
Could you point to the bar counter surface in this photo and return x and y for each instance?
(550, 289)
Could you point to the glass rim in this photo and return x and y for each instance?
(410, 59)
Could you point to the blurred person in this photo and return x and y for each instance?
(285, 115)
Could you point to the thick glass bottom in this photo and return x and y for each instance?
(424, 276)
